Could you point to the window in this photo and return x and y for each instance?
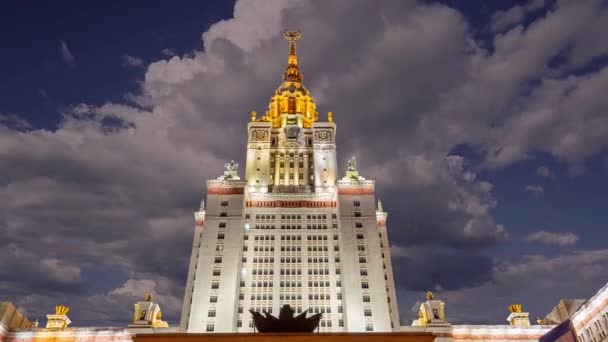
(211, 313)
(363, 272)
(220, 236)
(218, 260)
(364, 285)
(359, 225)
(334, 216)
(357, 214)
(341, 323)
(224, 214)
(216, 272)
(340, 295)
(222, 225)
(367, 312)
(366, 299)
(224, 203)
(213, 299)
(210, 328)
(362, 260)
(215, 285)
(369, 327)
(356, 203)
(359, 236)
(361, 248)
(239, 323)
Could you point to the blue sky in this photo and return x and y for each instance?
(482, 123)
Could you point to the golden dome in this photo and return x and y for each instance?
(291, 98)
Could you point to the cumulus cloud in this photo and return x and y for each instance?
(502, 20)
(406, 88)
(167, 52)
(535, 190)
(545, 172)
(536, 281)
(552, 238)
(66, 54)
(131, 61)
(14, 122)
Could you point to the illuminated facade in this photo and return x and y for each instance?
(291, 232)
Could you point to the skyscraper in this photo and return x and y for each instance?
(291, 232)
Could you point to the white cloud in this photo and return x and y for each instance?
(131, 61)
(407, 83)
(535, 190)
(552, 238)
(545, 172)
(502, 20)
(66, 54)
(536, 281)
(167, 52)
(13, 121)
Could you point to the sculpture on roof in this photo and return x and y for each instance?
(351, 165)
(286, 322)
(232, 166)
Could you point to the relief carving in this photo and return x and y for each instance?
(323, 135)
(259, 135)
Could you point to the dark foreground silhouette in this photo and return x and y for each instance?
(286, 321)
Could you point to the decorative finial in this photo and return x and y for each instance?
(380, 206)
(202, 207)
(330, 117)
(292, 73)
(430, 296)
(148, 297)
(61, 309)
(253, 116)
(35, 324)
(515, 308)
(292, 36)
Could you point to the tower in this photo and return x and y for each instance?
(291, 232)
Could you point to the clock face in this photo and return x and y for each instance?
(292, 131)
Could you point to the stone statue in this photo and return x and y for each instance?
(351, 165)
(286, 321)
(232, 166)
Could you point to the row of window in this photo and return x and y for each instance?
(290, 216)
(295, 226)
(319, 296)
(262, 271)
(589, 335)
(261, 260)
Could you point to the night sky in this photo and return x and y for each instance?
(483, 123)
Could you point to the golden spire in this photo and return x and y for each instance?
(292, 73)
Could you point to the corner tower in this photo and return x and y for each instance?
(290, 232)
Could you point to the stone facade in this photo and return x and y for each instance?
(291, 232)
